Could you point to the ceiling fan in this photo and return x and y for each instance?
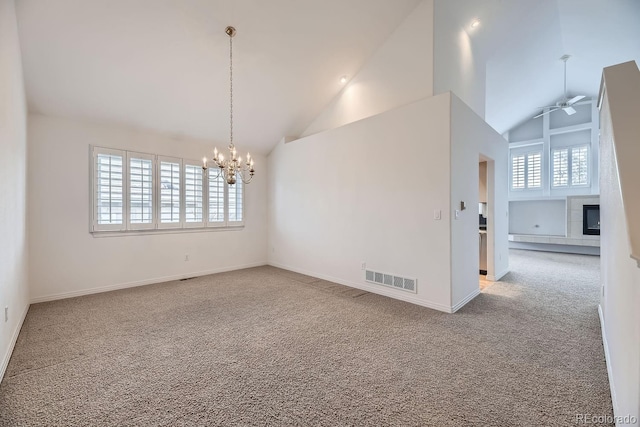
(565, 103)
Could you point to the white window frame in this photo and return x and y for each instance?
(569, 148)
(525, 151)
(95, 151)
(156, 224)
(154, 177)
(195, 224)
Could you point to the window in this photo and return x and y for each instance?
(526, 170)
(136, 191)
(169, 192)
(570, 166)
(534, 170)
(216, 199)
(560, 167)
(517, 172)
(580, 165)
(140, 191)
(193, 195)
(235, 202)
(108, 194)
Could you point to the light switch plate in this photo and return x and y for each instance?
(437, 214)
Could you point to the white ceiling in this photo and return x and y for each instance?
(163, 64)
(522, 42)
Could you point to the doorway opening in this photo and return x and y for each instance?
(485, 221)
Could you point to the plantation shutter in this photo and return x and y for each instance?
(216, 198)
(534, 170)
(170, 186)
(193, 194)
(580, 165)
(517, 172)
(108, 185)
(236, 197)
(141, 211)
(560, 158)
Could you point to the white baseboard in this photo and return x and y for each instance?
(115, 287)
(12, 344)
(465, 300)
(607, 358)
(410, 298)
(496, 277)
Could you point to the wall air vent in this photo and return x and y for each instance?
(391, 281)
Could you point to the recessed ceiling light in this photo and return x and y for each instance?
(475, 23)
(343, 79)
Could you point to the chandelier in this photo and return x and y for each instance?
(231, 168)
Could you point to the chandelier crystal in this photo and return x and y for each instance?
(231, 168)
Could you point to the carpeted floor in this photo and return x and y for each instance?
(265, 346)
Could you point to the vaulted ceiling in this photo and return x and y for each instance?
(522, 42)
(163, 64)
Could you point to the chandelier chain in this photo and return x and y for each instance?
(231, 91)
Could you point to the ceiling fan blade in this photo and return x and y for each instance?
(569, 110)
(575, 99)
(545, 112)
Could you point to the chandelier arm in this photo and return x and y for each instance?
(219, 172)
(243, 174)
(244, 180)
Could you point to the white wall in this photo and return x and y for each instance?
(472, 140)
(527, 131)
(67, 260)
(543, 217)
(399, 72)
(13, 185)
(620, 275)
(458, 66)
(366, 192)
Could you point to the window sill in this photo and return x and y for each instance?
(100, 234)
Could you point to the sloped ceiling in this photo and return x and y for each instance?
(524, 41)
(163, 64)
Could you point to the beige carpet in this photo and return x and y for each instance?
(269, 347)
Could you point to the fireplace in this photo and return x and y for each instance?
(591, 219)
